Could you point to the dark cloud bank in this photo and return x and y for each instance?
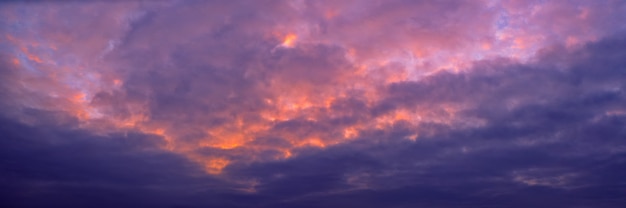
(551, 134)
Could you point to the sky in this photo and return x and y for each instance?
(307, 104)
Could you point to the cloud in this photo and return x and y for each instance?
(313, 104)
(53, 166)
(556, 144)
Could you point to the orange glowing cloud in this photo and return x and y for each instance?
(15, 61)
(289, 40)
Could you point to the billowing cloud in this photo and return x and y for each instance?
(313, 103)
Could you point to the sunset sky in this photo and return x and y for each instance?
(311, 104)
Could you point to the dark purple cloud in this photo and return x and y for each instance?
(312, 104)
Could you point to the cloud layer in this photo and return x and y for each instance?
(313, 104)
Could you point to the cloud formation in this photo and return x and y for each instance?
(313, 103)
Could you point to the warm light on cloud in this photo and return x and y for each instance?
(15, 61)
(289, 40)
(215, 165)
